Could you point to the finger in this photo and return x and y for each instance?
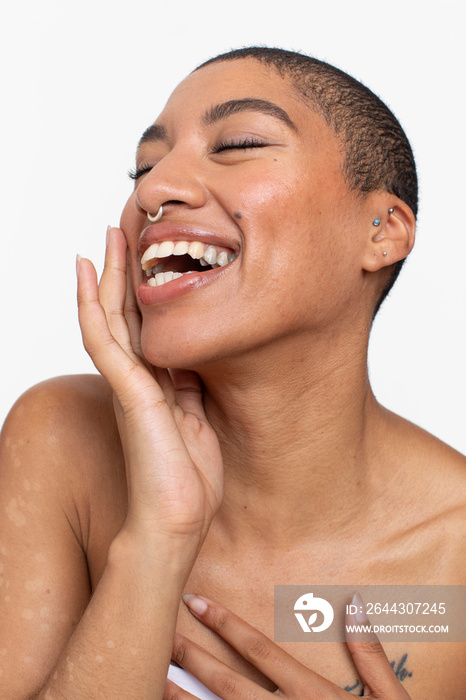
(259, 650)
(131, 311)
(106, 353)
(188, 392)
(174, 692)
(165, 382)
(98, 340)
(370, 659)
(214, 674)
(112, 288)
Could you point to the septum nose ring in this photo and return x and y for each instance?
(155, 217)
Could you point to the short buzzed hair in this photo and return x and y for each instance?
(378, 155)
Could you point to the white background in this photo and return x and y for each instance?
(82, 80)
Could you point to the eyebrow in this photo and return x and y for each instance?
(157, 132)
(225, 109)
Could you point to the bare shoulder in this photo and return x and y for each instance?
(63, 414)
(429, 485)
(433, 462)
(61, 437)
(62, 399)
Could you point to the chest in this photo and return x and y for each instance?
(424, 669)
(244, 582)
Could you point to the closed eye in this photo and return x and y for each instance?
(242, 144)
(136, 173)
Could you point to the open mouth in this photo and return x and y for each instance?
(169, 260)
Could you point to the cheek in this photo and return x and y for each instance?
(266, 197)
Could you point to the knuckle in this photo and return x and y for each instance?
(180, 651)
(370, 648)
(257, 648)
(226, 686)
(218, 618)
(159, 404)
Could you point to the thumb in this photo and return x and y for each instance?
(369, 657)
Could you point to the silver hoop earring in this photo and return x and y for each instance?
(155, 217)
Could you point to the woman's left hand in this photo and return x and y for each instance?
(293, 680)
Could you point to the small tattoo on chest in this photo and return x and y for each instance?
(401, 672)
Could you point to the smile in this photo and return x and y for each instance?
(168, 260)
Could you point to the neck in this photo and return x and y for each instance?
(295, 427)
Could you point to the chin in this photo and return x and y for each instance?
(179, 350)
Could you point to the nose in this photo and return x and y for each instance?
(174, 181)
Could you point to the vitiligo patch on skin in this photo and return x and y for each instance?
(29, 486)
(34, 585)
(27, 614)
(14, 514)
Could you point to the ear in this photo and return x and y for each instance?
(393, 238)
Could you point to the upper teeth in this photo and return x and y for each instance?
(196, 249)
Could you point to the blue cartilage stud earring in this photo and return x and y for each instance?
(376, 222)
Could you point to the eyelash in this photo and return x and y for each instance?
(136, 173)
(231, 145)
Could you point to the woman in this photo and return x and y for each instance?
(274, 201)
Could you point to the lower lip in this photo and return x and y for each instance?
(148, 295)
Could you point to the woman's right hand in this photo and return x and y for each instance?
(173, 459)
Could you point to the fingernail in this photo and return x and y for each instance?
(360, 614)
(195, 604)
(78, 264)
(108, 230)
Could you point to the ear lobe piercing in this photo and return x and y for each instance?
(155, 217)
